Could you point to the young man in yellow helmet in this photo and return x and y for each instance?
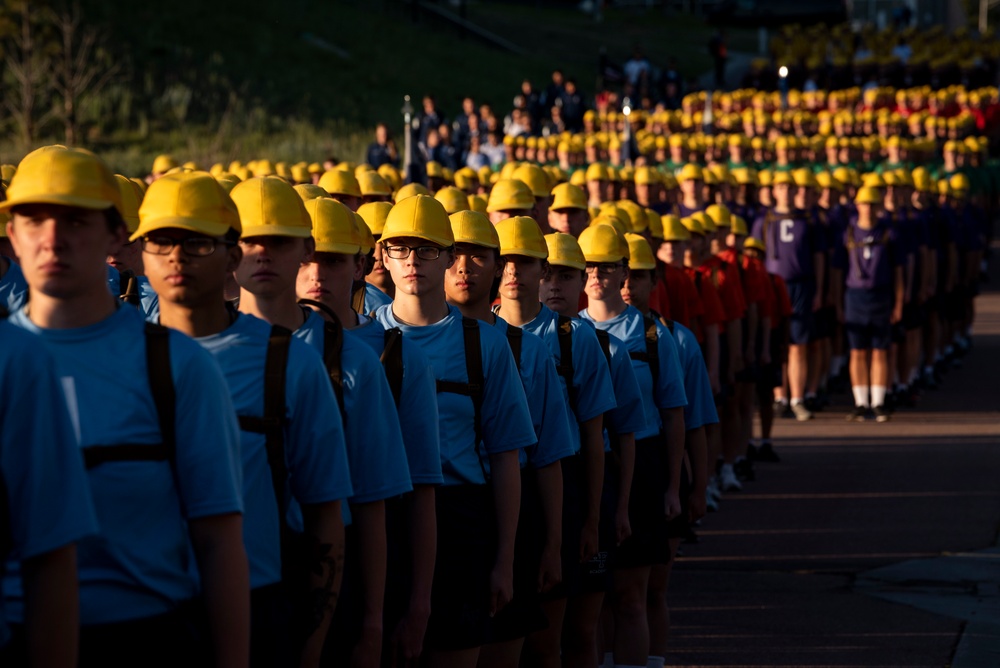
(168, 444)
(483, 420)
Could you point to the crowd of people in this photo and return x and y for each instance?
(455, 413)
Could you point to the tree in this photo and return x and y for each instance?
(26, 60)
(82, 67)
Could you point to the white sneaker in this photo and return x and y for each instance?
(712, 489)
(728, 480)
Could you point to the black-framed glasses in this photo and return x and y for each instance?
(195, 246)
(603, 268)
(422, 252)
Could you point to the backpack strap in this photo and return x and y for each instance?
(333, 349)
(474, 387)
(564, 330)
(515, 336)
(664, 321)
(272, 424)
(128, 288)
(652, 354)
(358, 296)
(392, 361)
(605, 340)
(161, 386)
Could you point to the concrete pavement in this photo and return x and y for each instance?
(868, 545)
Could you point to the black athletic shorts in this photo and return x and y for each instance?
(596, 577)
(572, 521)
(648, 544)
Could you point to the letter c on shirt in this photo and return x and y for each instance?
(787, 236)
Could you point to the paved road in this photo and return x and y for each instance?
(821, 561)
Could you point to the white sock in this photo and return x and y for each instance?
(878, 395)
(609, 660)
(913, 376)
(796, 401)
(929, 370)
(655, 662)
(861, 395)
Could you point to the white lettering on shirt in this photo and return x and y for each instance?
(787, 236)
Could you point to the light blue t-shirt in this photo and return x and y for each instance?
(549, 413)
(139, 564)
(375, 298)
(314, 439)
(506, 422)
(418, 405)
(592, 393)
(669, 391)
(41, 472)
(700, 409)
(628, 416)
(375, 449)
(13, 287)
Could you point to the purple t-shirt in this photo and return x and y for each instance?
(791, 240)
(872, 255)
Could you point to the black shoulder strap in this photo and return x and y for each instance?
(665, 321)
(652, 354)
(161, 386)
(565, 368)
(474, 387)
(128, 286)
(392, 361)
(358, 296)
(605, 340)
(514, 338)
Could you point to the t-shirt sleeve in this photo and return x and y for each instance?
(209, 469)
(39, 456)
(591, 378)
(669, 391)
(506, 422)
(319, 468)
(700, 409)
(418, 410)
(628, 417)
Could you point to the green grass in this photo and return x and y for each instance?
(216, 80)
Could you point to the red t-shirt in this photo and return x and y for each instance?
(726, 279)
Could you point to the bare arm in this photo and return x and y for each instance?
(626, 457)
(225, 581)
(369, 518)
(408, 638)
(550, 488)
(900, 290)
(505, 470)
(592, 451)
(697, 449)
(324, 525)
(52, 608)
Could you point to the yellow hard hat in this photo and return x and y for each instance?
(140, 184)
(477, 203)
(804, 178)
(826, 180)
(597, 172)
(163, 164)
(691, 225)
(640, 255)
(131, 199)
(959, 182)
(615, 220)
(782, 178)
(452, 199)
(602, 243)
(690, 172)
(269, 206)
(484, 173)
(7, 172)
(765, 178)
(564, 251)
(362, 168)
(371, 183)
(568, 196)
(422, 217)
(472, 227)
(367, 237)
(578, 178)
(409, 190)
(391, 175)
(67, 176)
(867, 195)
(646, 175)
(535, 178)
(755, 244)
(434, 169)
(720, 215)
(745, 176)
(873, 180)
(308, 191)
(263, 168)
(345, 167)
(333, 226)
(192, 201)
(739, 226)
(464, 178)
(374, 214)
(510, 195)
(339, 182)
(922, 180)
(654, 224)
(520, 235)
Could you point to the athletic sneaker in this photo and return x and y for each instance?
(802, 414)
(858, 414)
(728, 480)
(751, 452)
(881, 414)
(711, 504)
(712, 490)
(744, 470)
(766, 453)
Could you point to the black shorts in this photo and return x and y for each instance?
(913, 316)
(596, 573)
(271, 643)
(768, 378)
(648, 544)
(823, 324)
(956, 302)
(399, 564)
(572, 522)
(680, 526)
(524, 615)
(466, 552)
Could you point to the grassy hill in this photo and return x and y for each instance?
(217, 80)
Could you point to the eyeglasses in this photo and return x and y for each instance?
(403, 252)
(603, 268)
(195, 246)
